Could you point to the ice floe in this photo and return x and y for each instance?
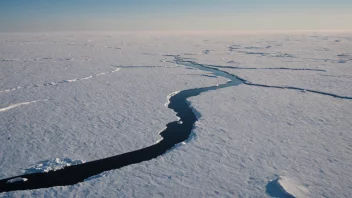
(51, 165)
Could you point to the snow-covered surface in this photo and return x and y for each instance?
(306, 51)
(51, 165)
(293, 187)
(17, 179)
(169, 96)
(18, 105)
(245, 137)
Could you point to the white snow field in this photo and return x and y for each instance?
(70, 98)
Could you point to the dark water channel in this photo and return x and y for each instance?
(175, 133)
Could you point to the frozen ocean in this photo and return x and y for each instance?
(183, 114)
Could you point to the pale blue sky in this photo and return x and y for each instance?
(101, 15)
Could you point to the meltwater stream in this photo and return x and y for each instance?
(175, 133)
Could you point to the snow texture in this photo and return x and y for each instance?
(51, 165)
(292, 187)
(245, 138)
(18, 105)
(17, 179)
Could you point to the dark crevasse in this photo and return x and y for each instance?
(175, 133)
(218, 72)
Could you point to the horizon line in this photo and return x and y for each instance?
(175, 31)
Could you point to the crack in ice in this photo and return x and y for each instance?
(298, 89)
(20, 104)
(268, 68)
(180, 60)
(176, 133)
(60, 82)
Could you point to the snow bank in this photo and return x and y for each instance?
(51, 165)
(169, 96)
(292, 187)
(101, 175)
